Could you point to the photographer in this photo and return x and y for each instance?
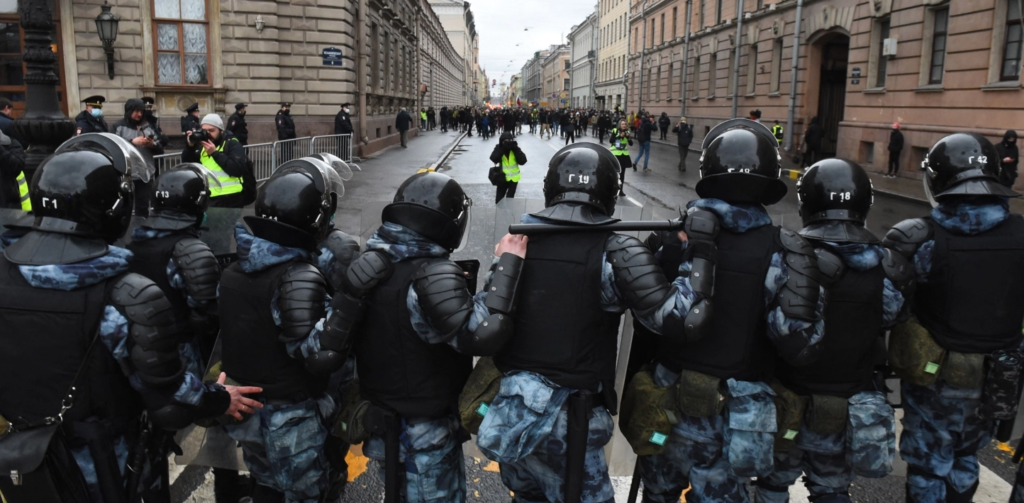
(137, 130)
(221, 152)
(508, 153)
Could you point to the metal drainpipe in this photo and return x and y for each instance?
(736, 59)
(625, 73)
(686, 58)
(643, 50)
(792, 77)
(361, 66)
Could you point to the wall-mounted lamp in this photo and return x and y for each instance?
(106, 28)
(259, 23)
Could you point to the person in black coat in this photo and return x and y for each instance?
(402, 123)
(663, 123)
(431, 119)
(446, 117)
(285, 131)
(510, 157)
(895, 147)
(237, 126)
(812, 139)
(12, 163)
(1008, 157)
(191, 119)
(149, 116)
(224, 149)
(343, 121)
(89, 120)
(684, 136)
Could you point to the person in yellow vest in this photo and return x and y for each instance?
(508, 154)
(621, 141)
(13, 184)
(222, 154)
(778, 131)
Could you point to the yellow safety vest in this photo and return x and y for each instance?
(228, 184)
(509, 166)
(26, 204)
(777, 131)
(625, 144)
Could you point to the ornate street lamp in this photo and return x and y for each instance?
(106, 28)
(43, 125)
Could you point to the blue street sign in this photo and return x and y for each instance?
(332, 56)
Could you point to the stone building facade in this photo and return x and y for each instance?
(613, 30)
(458, 22)
(583, 51)
(261, 52)
(935, 66)
(532, 79)
(555, 77)
(441, 67)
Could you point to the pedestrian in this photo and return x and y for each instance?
(621, 140)
(134, 129)
(1008, 157)
(867, 293)
(755, 115)
(414, 347)
(643, 135)
(508, 154)
(968, 307)
(812, 142)
(86, 330)
(564, 119)
(663, 123)
(402, 123)
(446, 118)
(239, 128)
(343, 121)
(719, 439)
(684, 136)
(431, 118)
(569, 128)
(604, 123)
(89, 120)
(224, 157)
(149, 115)
(895, 147)
(545, 122)
(285, 131)
(13, 183)
(190, 121)
(778, 131)
(568, 363)
(483, 125)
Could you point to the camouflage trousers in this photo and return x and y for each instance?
(283, 447)
(821, 457)
(942, 432)
(1017, 496)
(431, 452)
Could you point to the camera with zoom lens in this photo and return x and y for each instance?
(200, 135)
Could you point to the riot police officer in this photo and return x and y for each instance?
(548, 425)
(852, 429)
(966, 330)
(422, 325)
(77, 323)
(91, 120)
(274, 301)
(762, 282)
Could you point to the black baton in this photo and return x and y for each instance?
(634, 486)
(621, 226)
(578, 428)
(392, 451)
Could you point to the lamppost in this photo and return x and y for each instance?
(43, 126)
(106, 28)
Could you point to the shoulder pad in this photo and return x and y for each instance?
(830, 266)
(443, 295)
(367, 271)
(701, 224)
(907, 236)
(795, 243)
(198, 267)
(301, 293)
(344, 247)
(141, 301)
(153, 329)
(899, 270)
(638, 275)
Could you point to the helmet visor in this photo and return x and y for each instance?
(126, 158)
(342, 167)
(328, 173)
(465, 221)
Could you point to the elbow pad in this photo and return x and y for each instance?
(899, 271)
(443, 295)
(301, 296)
(638, 275)
(830, 266)
(501, 296)
(907, 236)
(337, 337)
(798, 297)
(366, 272)
(345, 249)
(153, 329)
(198, 267)
(489, 337)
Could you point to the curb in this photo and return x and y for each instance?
(445, 155)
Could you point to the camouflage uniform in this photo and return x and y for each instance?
(706, 453)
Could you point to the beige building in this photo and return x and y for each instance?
(555, 82)
(457, 20)
(514, 89)
(583, 49)
(533, 79)
(935, 66)
(613, 22)
(441, 68)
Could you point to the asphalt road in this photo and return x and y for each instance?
(658, 193)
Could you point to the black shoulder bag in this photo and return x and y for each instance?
(36, 464)
(496, 175)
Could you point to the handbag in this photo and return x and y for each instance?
(36, 464)
(496, 175)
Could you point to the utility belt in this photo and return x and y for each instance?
(918, 359)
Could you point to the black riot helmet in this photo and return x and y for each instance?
(295, 206)
(835, 196)
(740, 163)
(963, 164)
(581, 184)
(180, 197)
(432, 205)
(82, 200)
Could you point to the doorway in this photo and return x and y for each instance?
(834, 50)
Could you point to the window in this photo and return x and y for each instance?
(713, 75)
(566, 64)
(675, 17)
(718, 11)
(636, 39)
(662, 28)
(657, 86)
(12, 77)
(1010, 69)
(182, 51)
(702, 5)
(652, 33)
(939, 46)
(730, 82)
(694, 77)
(375, 63)
(565, 84)
(752, 70)
(883, 33)
(776, 65)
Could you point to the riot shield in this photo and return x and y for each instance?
(218, 232)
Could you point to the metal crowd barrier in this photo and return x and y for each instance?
(266, 157)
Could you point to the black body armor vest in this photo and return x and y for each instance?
(252, 351)
(560, 330)
(739, 346)
(398, 370)
(46, 334)
(853, 339)
(150, 260)
(973, 301)
(644, 348)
